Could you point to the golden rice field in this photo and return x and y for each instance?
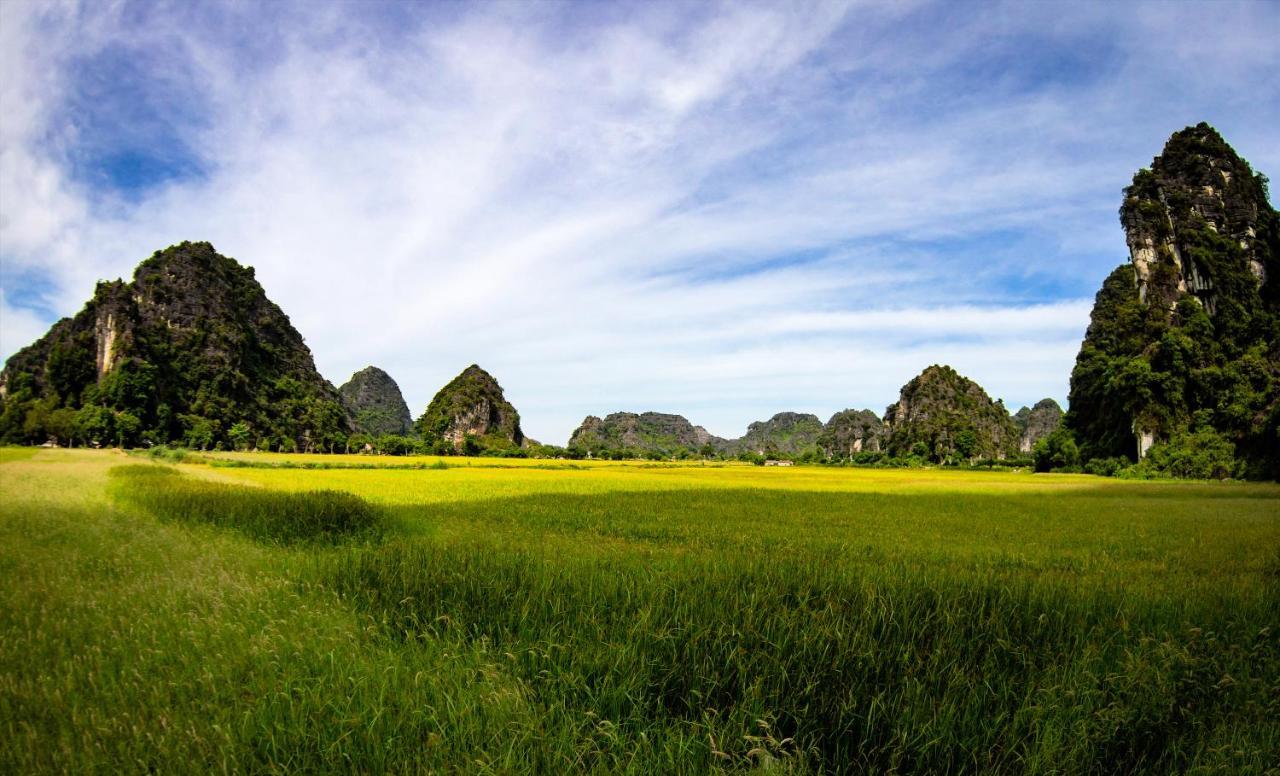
(518, 616)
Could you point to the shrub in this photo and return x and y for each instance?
(1106, 467)
(1056, 451)
(170, 454)
(1200, 455)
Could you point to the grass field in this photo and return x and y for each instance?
(523, 616)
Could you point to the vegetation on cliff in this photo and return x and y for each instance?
(786, 434)
(641, 435)
(943, 416)
(1036, 423)
(471, 415)
(190, 351)
(376, 406)
(850, 432)
(1185, 340)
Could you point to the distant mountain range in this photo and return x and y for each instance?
(1181, 361)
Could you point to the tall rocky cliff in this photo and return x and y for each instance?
(1036, 423)
(850, 432)
(646, 432)
(1185, 338)
(190, 351)
(471, 411)
(943, 415)
(375, 404)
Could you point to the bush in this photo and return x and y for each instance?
(170, 454)
(1056, 451)
(1201, 455)
(1106, 467)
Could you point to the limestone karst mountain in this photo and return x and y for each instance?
(471, 410)
(1036, 423)
(786, 434)
(190, 351)
(943, 415)
(1185, 338)
(850, 432)
(374, 403)
(645, 432)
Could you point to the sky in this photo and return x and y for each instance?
(718, 210)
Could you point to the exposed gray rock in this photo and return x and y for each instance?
(375, 404)
(850, 432)
(1037, 422)
(471, 406)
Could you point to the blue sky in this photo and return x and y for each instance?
(721, 210)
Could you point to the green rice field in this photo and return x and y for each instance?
(352, 614)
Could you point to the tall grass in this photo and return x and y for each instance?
(886, 669)
(618, 620)
(312, 516)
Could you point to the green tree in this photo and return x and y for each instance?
(240, 434)
(1056, 451)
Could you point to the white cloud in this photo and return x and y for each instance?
(19, 327)
(726, 211)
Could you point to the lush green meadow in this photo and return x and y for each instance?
(532, 616)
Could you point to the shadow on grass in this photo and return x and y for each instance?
(757, 621)
(322, 516)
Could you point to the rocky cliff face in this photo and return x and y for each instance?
(944, 415)
(375, 404)
(1037, 422)
(1198, 223)
(1186, 337)
(646, 432)
(850, 432)
(186, 352)
(786, 433)
(471, 406)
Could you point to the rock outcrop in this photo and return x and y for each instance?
(850, 432)
(471, 409)
(1185, 337)
(190, 351)
(943, 415)
(785, 434)
(1197, 223)
(641, 433)
(1036, 423)
(375, 404)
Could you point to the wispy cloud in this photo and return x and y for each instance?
(722, 210)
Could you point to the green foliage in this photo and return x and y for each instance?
(239, 433)
(786, 435)
(1203, 357)
(630, 435)
(197, 350)
(375, 403)
(169, 454)
(849, 433)
(1106, 467)
(471, 400)
(1201, 455)
(1056, 451)
(946, 418)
